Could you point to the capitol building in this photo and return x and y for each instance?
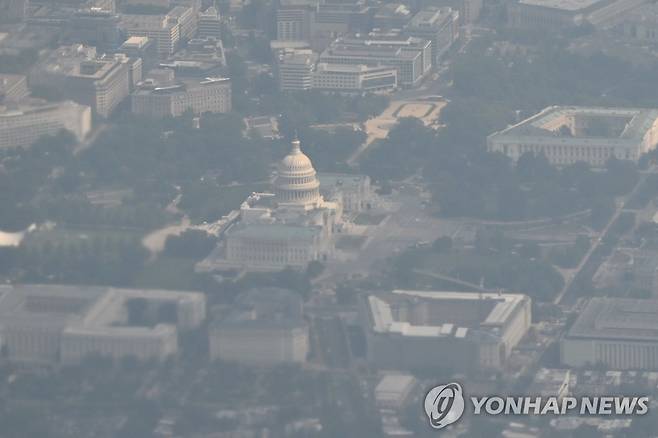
(292, 225)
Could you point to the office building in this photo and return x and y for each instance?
(13, 88)
(173, 98)
(265, 327)
(165, 32)
(210, 24)
(618, 333)
(22, 124)
(293, 21)
(94, 27)
(391, 16)
(438, 25)
(202, 57)
(354, 78)
(450, 330)
(186, 18)
(567, 135)
(412, 57)
(294, 69)
(50, 324)
(99, 82)
(332, 20)
(143, 48)
(561, 14)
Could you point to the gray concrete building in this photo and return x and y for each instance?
(265, 327)
(619, 333)
(460, 330)
(50, 324)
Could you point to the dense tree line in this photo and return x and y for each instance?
(465, 180)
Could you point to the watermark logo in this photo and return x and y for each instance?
(444, 404)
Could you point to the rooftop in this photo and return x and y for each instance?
(618, 125)
(265, 307)
(617, 318)
(394, 383)
(348, 68)
(34, 106)
(275, 231)
(136, 42)
(439, 314)
(88, 308)
(565, 5)
(340, 180)
(431, 17)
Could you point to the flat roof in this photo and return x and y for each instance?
(264, 307)
(534, 128)
(617, 319)
(395, 383)
(77, 307)
(384, 321)
(564, 5)
(275, 231)
(350, 68)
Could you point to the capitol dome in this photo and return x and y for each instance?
(296, 182)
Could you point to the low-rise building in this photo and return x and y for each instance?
(159, 100)
(453, 330)
(101, 82)
(13, 88)
(294, 69)
(49, 324)
(202, 57)
(164, 31)
(22, 124)
(210, 24)
(143, 48)
(394, 390)
(438, 25)
(619, 333)
(354, 78)
(265, 327)
(569, 134)
(561, 14)
(94, 27)
(412, 57)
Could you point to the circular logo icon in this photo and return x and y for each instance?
(444, 404)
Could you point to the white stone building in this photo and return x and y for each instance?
(424, 329)
(49, 324)
(266, 327)
(22, 124)
(290, 227)
(567, 135)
